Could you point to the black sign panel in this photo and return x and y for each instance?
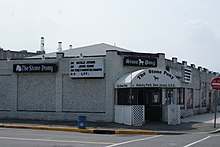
(22, 68)
(140, 61)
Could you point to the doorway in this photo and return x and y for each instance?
(153, 104)
(149, 97)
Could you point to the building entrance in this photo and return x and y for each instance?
(149, 97)
(144, 87)
(153, 105)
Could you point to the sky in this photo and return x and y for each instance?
(186, 29)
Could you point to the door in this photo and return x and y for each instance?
(153, 104)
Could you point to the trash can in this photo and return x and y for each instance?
(82, 122)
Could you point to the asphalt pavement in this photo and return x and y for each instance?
(203, 123)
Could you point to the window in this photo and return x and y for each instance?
(123, 97)
(203, 94)
(181, 96)
(209, 101)
(155, 98)
(130, 96)
(189, 98)
(169, 99)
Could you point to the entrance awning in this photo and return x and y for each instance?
(152, 77)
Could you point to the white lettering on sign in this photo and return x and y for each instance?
(128, 61)
(140, 61)
(86, 68)
(46, 68)
(34, 68)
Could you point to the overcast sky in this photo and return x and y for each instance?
(186, 29)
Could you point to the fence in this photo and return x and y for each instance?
(130, 114)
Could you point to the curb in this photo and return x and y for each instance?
(93, 131)
(215, 131)
(141, 132)
(48, 128)
(171, 133)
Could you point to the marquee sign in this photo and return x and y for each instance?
(153, 77)
(40, 68)
(140, 61)
(86, 68)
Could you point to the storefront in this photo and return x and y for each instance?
(144, 87)
(93, 80)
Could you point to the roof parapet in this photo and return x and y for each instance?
(174, 59)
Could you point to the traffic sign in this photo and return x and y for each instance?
(215, 83)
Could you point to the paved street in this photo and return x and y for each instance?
(192, 124)
(42, 138)
(197, 131)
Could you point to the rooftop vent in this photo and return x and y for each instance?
(184, 63)
(200, 68)
(42, 44)
(70, 47)
(174, 59)
(59, 46)
(193, 66)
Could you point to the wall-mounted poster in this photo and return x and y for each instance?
(86, 68)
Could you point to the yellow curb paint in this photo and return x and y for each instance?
(69, 129)
(144, 132)
(50, 128)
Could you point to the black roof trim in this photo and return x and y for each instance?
(139, 54)
(15, 59)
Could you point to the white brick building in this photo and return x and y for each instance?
(91, 80)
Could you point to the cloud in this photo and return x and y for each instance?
(198, 32)
(201, 44)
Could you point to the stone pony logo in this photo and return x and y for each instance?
(18, 68)
(156, 78)
(140, 62)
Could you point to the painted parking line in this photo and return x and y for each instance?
(136, 140)
(198, 141)
(56, 141)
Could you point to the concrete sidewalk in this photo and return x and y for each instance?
(207, 118)
(202, 123)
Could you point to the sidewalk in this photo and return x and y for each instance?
(203, 123)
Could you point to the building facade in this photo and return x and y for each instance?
(92, 80)
(8, 54)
